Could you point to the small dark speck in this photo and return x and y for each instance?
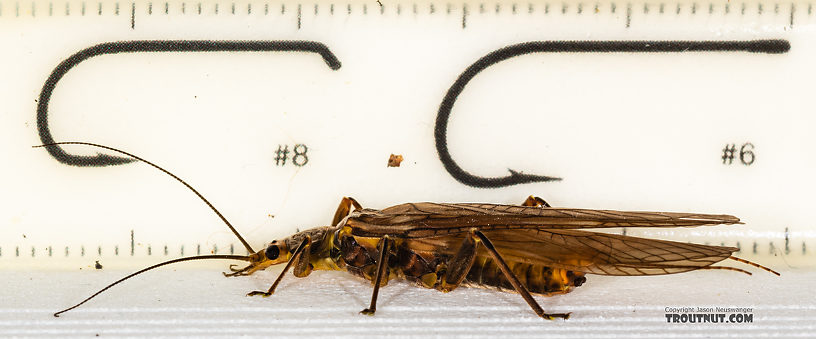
(99, 267)
(24, 236)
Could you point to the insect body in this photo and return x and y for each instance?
(530, 249)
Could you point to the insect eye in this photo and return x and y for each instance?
(272, 252)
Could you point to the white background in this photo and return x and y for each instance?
(625, 131)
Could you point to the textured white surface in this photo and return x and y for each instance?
(197, 302)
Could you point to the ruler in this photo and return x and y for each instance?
(276, 110)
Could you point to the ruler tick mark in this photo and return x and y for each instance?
(464, 16)
(132, 15)
(99, 9)
(727, 8)
(792, 11)
(662, 8)
(646, 8)
(299, 16)
(82, 8)
(199, 8)
(678, 9)
(165, 250)
(149, 8)
(710, 8)
(530, 8)
(513, 9)
(183, 8)
(232, 8)
(742, 9)
(66, 251)
(348, 9)
(315, 9)
(166, 8)
(132, 244)
(628, 15)
(787, 241)
(216, 8)
(283, 8)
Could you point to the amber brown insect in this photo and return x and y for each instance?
(532, 248)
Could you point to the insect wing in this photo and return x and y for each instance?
(585, 251)
(419, 220)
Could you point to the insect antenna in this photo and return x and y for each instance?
(224, 219)
(754, 264)
(200, 257)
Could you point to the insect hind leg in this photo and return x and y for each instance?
(344, 209)
(463, 261)
(533, 201)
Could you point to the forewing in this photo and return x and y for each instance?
(585, 251)
(419, 220)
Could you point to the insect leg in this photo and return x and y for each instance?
(381, 268)
(535, 202)
(344, 209)
(514, 280)
(459, 266)
(295, 256)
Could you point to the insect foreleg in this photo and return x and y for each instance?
(295, 256)
(344, 209)
(533, 201)
(514, 280)
(381, 268)
(303, 264)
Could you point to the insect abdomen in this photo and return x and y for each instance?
(538, 279)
